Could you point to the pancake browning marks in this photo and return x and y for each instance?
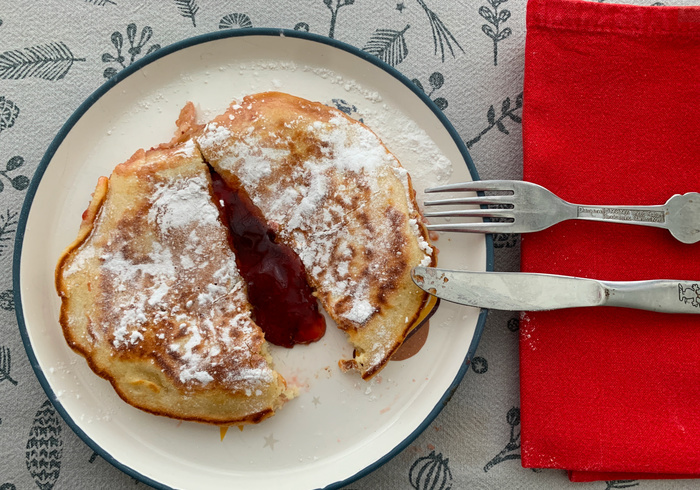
(152, 298)
(342, 201)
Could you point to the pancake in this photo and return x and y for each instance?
(341, 201)
(151, 296)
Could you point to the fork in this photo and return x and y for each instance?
(530, 207)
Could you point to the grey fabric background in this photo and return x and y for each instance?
(475, 440)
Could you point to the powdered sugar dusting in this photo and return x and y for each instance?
(214, 135)
(175, 206)
(355, 148)
(79, 262)
(428, 164)
(187, 149)
(172, 289)
(361, 310)
(315, 200)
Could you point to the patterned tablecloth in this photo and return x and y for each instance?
(467, 56)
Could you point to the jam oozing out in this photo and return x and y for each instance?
(283, 304)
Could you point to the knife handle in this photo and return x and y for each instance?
(659, 295)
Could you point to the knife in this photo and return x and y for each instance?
(520, 291)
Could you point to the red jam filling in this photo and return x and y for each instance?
(283, 303)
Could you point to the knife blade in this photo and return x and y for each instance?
(520, 291)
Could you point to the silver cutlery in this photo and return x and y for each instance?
(518, 291)
(530, 207)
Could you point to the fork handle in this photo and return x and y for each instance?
(634, 215)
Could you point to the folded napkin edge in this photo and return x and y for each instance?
(650, 20)
(577, 476)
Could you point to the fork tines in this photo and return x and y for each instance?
(502, 212)
(477, 185)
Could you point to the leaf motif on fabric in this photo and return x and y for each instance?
(101, 3)
(236, 21)
(495, 18)
(436, 80)
(441, 102)
(388, 45)
(7, 300)
(488, 30)
(126, 54)
(14, 163)
(504, 34)
(442, 37)
(19, 182)
(117, 40)
(45, 447)
(509, 452)
(618, 484)
(47, 61)
(188, 9)
(8, 223)
(334, 13)
(508, 111)
(6, 365)
(8, 113)
(491, 116)
(486, 13)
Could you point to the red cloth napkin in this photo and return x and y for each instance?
(611, 116)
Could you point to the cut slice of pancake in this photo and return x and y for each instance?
(341, 201)
(152, 298)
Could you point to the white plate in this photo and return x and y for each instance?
(340, 427)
